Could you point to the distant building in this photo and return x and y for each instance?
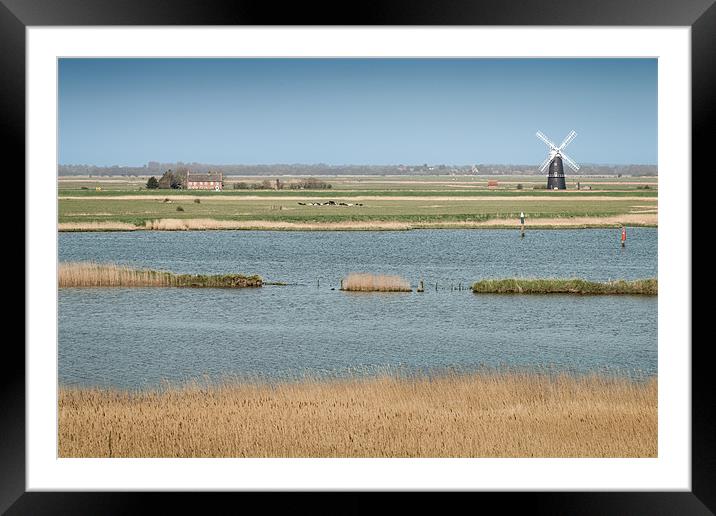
(210, 181)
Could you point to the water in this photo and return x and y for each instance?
(135, 338)
(444, 256)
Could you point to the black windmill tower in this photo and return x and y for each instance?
(555, 161)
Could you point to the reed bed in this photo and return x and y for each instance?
(364, 282)
(97, 226)
(91, 274)
(478, 415)
(644, 287)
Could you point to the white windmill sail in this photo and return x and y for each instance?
(546, 163)
(555, 151)
(571, 136)
(546, 140)
(570, 162)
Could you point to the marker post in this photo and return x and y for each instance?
(522, 224)
(623, 236)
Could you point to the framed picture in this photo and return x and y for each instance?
(63, 64)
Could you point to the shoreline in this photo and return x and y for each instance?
(491, 414)
(170, 224)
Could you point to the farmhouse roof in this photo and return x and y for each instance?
(211, 176)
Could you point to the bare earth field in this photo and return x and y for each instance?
(480, 415)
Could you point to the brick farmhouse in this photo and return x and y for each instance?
(210, 181)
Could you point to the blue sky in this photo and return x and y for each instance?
(355, 111)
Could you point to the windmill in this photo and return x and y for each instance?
(555, 177)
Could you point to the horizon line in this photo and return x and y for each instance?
(294, 164)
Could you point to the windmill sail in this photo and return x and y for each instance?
(571, 136)
(545, 163)
(569, 161)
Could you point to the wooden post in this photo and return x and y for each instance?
(421, 287)
(341, 284)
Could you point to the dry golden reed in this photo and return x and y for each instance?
(364, 282)
(92, 274)
(96, 226)
(479, 415)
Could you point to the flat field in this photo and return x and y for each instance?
(368, 203)
(478, 415)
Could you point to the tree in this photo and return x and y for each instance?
(180, 177)
(170, 180)
(152, 183)
(166, 179)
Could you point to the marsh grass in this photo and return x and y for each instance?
(645, 287)
(365, 282)
(92, 274)
(470, 415)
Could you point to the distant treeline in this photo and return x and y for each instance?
(306, 184)
(321, 169)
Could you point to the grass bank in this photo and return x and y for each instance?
(365, 282)
(90, 274)
(479, 415)
(646, 287)
(377, 224)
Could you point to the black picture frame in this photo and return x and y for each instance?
(700, 15)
